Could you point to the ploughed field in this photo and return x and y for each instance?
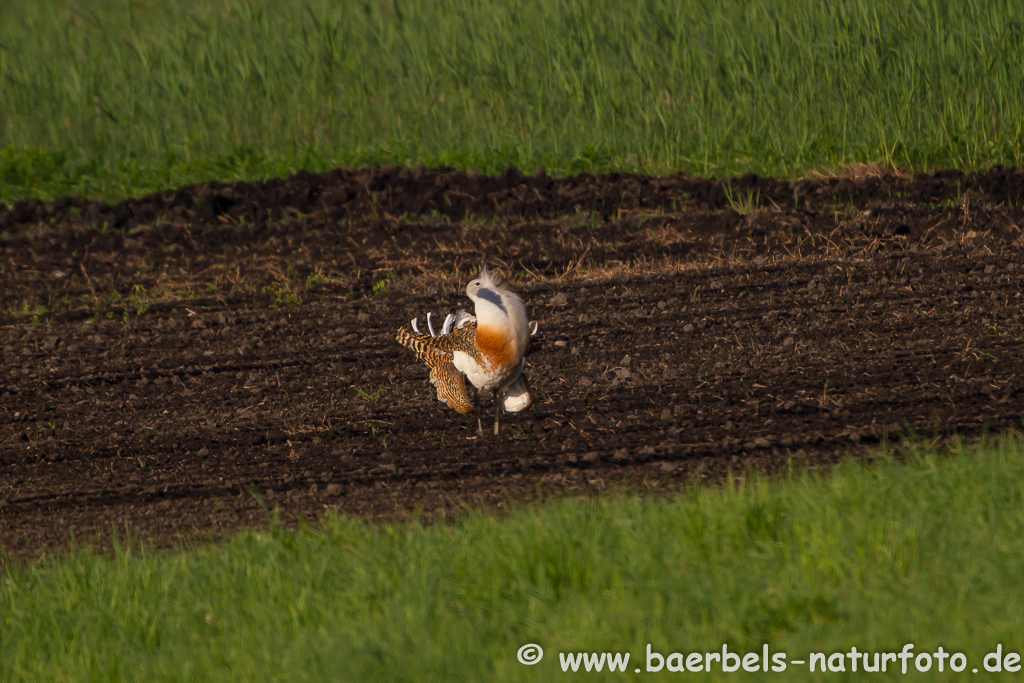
(183, 363)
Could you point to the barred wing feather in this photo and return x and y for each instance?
(451, 386)
(437, 352)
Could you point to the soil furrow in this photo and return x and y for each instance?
(177, 363)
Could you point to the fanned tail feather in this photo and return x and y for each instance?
(452, 322)
(459, 320)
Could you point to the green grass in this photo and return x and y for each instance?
(927, 552)
(117, 97)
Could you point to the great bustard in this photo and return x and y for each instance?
(487, 348)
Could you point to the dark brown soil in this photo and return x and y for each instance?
(178, 363)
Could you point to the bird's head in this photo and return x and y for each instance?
(485, 281)
(473, 288)
(485, 286)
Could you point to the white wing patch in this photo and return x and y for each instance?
(516, 396)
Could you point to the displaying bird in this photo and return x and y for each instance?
(487, 348)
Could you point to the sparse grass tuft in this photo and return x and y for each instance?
(741, 202)
(314, 279)
(370, 395)
(380, 286)
(282, 294)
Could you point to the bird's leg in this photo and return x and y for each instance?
(476, 408)
(496, 399)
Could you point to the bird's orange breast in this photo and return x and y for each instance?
(497, 348)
